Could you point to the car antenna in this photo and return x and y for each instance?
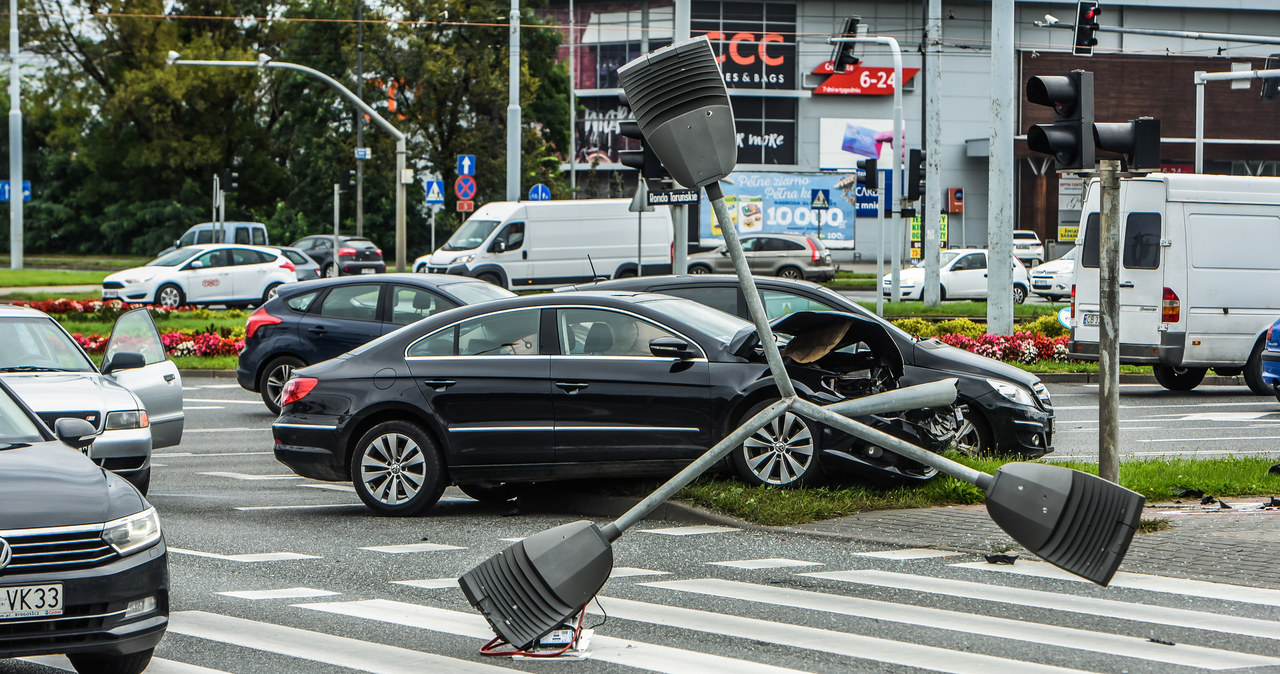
(594, 276)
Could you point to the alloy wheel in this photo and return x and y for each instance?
(781, 452)
(392, 469)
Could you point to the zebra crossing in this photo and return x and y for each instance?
(930, 610)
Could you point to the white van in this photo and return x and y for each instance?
(1199, 276)
(539, 244)
(251, 233)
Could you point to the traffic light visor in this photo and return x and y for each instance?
(1060, 92)
(1059, 140)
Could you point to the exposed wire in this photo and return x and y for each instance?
(488, 648)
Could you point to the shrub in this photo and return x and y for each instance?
(917, 326)
(960, 326)
(1049, 326)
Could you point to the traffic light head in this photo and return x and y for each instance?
(1137, 139)
(642, 160)
(230, 181)
(915, 174)
(1086, 26)
(870, 177)
(844, 55)
(348, 179)
(1271, 85)
(1070, 137)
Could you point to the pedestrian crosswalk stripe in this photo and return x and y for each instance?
(412, 547)
(627, 571)
(910, 553)
(250, 477)
(689, 531)
(246, 558)
(319, 647)
(283, 593)
(628, 652)
(765, 563)
(429, 583)
(1103, 608)
(813, 638)
(971, 623)
(157, 666)
(1139, 581)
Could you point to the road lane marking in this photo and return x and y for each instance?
(765, 563)
(1163, 404)
(627, 652)
(283, 593)
(248, 557)
(156, 666)
(964, 622)
(238, 429)
(220, 401)
(689, 531)
(184, 454)
(429, 583)
(302, 507)
(356, 654)
(629, 571)
(1103, 608)
(247, 476)
(1236, 438)
(411, 547)
(331, 487)
(911, 553)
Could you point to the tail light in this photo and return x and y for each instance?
(378, 251)
(673, 252)
(296, 389)
(813, 249)
(258, 319)
(1073, 300)
(288, 265)
(1170, 307)
(346, 252)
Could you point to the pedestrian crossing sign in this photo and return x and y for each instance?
(435, 192)
(820, 200)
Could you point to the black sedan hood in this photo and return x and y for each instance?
(48, 484)
(815, 334)
(935, 355)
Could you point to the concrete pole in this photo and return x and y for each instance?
(360, 116)
(680, 213)
(1200, 121)
(931, 218)
(15, 143)
(401, 245)
(573, 112)
(1000, 172)
(513, 107)
(899, 150)
(336, 243)
(1109, 344)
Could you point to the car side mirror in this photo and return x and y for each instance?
(671, 347)
(196, 265)
(75, 433)
(124, 360)
(500, 246)
(724, 251)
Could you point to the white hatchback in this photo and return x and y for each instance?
(1028, 247)
(962, 275)
(1052, 280)
(209, 274)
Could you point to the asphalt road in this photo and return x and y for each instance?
(273, 573)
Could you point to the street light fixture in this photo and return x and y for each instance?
(265, 61)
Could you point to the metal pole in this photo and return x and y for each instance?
(639, 238)
(573, 111)
(400, 219)
(881, 195)
(1109, 344)
(359, 116)
(680, 220)
(899, 147)
(217, 185)
(930, 219)
(1000, 172)
(1200, 120)
(15, 143)
(513, 106)
(336, 246)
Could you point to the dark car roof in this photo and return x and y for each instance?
(433, 281)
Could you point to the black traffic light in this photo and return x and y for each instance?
(870, 177)
(915, 174)
(642, 160)
(1271, 85)
(230, 181)
(1137, 139)
(348, 179)
(1070, 137)
(843, 56)
(1086, 25)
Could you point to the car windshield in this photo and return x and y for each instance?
(947, 256)
(1026, 236)
(714, 322)
(1071, 255)
(471, 234)
(175, 258)
(16, 428)
(477, 291)
(37, 344)
(841, 303)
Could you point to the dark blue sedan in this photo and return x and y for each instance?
(1271, 359)
(314, 321)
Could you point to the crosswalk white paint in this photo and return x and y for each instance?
(317, 506)
(1110, 608)
(628, 571)
(221, 401)
(429, 583)
(628, 652)
(411, 548)
(329, 486)
(246, 558)
(909, 553)
(772, 563)
(356, 654)
(689, 531)
(251, 477)
(157, 666)
(282, 593)
(972, 623)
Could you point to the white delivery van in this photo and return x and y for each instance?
(252, 233)
(1199, 276)
(539, 244)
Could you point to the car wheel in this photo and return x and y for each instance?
(492, 494)
(1253, 371)
(1178, 378)
(628, 273)
(330, 270)
(1019, 293)
(790, 273)
(170, 295)
(699, 269)
(272, 380)
(141, 480)
(105, 663)
(491, 279)
(397, 470)
(270, 293)
(1036, 262)
(784, 453)
(420, 269)
(942, 292)
(974, 437)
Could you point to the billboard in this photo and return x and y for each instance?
(783, 203)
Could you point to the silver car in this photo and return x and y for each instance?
(793, 256)
(134, 400)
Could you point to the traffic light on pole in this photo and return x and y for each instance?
(1086, 25)
(843, 57)
(230, 181)
(1070, 137)
(642, 160)
(348, 179)
(915, 174)
(1137, 139)
(870, 177)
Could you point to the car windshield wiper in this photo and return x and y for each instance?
(35, 368)
(13, 445)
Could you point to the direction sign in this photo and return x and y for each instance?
(364, 153)
(5, 187)
(466, 164)
(819, 200)
(435, 191)
(668, 197)
(465, 187)
(540, 192)
(466, 206)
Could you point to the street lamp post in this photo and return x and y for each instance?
(265, 61)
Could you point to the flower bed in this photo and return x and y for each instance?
(177, 343)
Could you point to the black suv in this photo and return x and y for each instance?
(356, 254)
(1007, 410)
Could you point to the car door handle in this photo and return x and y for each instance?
(1126, 284)
(317, 330)
(440, 384)
(571, 387)
(169, 377)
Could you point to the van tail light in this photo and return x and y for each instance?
(817, 257)
(673, 252)
(288, 265)
(1073, 300)
(258, 319)
(346, 252)
(1170, 307)
(296, 389)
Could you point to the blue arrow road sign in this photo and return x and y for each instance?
(539, 192)
(26, 190)
(466, 164)
(435, 191)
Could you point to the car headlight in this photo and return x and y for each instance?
(143, 278)
(463, 260)
(133, 533)
(126, 419)
(1013, 392)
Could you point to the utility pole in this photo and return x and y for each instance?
(573, 111)
(1109, 338)
(513, 107)
(1000, 172)
(930, 217)
(15, 143)
(360, 118)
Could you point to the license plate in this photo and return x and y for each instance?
(110, 294)
(1093, 319)
(368, 270)
(31, 601)
(1039, 285)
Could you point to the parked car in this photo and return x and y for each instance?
(356, 254)
(784, 255)
(305, 268)
(249, 233)
(1007, 411)
(210, 274)
(1271, 359)
(1027, 247)
(962, 275)
(1052, 280)
(318, 320)
(83, 566)
(563, 386)
(134, 399)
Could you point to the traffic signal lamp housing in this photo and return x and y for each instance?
(1137, 139)
(642, 160)
(230, 181)
(1070, 137)
(843, 57)
(1271, 85)
(915, 174)
(870, 177)
(1086, 26)
(348, 179)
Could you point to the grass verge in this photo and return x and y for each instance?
(81, 262)
(972, 310)
(25, 278)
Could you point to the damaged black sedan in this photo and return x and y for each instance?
(598, 384)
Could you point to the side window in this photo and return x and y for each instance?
(355, 302)
(1142, 241)
(751, 244)
(242, 256)
(1090, 255)
(510, 333)
(412, 304)
(785, 244)
(439, 343)
(204, 236)
(596, 332)
(512, 235)
(259, 236)
(242, 235)
(971, 262)
(777, 304)
(188, 238)
(724, 299)
(302, 302)
(213, 258)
